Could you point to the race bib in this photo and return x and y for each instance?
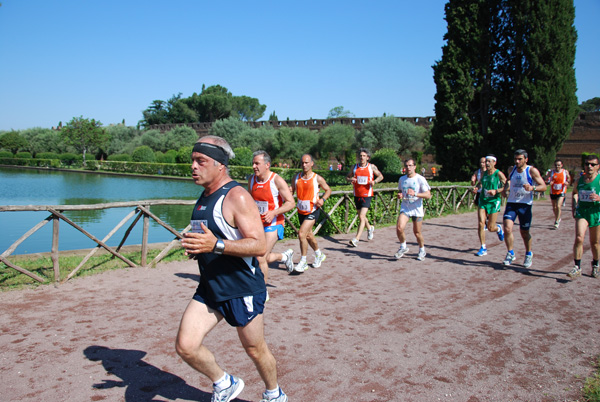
(488, 194)
(304, 205)
(196, 228)
(362, 180)
(263, 207)
(584, 195)
(557, 187)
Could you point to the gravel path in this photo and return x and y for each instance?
(363, 327)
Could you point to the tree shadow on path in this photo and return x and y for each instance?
(142, 381)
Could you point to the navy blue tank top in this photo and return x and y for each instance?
(224, 277)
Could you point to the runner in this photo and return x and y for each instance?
(490, 186)
(476, 178)
(559, 182)
(412, 189)
(227, 235)
(363, 176)
(523, 181)
(586, 211)
(306, 186)
(273, 198)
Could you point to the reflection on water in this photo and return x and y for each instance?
(41, 187)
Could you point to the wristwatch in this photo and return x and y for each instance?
(219, 247)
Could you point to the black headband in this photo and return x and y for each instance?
(213, 151)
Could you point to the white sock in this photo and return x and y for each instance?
(272, 393)
(318, 252)
(422, 249)
(483, 245)
(303, 258)
(223, 383)
(403, 245)
(283, 258)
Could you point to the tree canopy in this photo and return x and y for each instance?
(84, 134)
(211, 104)
(590, 105)
(505, 81)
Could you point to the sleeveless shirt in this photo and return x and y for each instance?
(224, 277)
(364, 175)
(267, 197)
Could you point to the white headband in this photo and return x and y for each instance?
(491, 157)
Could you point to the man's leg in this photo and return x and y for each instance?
(508, 234)
(581, 226)
(197, 321)
(481, 217)
(363, 221)
(417, 230)
(306, 237)
(527, 239)
(253, 341)
(263, 261)
(594, 238)
(400, 226)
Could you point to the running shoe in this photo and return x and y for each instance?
(353, 243)
(509, 258)
(528, 260)
(301, 267)
(575, 272)
(229, 394)
(482, 251)
(289, 262)
(319, 260)
(401, 251)
(556, 223)
(421, 255)
(500, 232)
(371, 233)
(281, 398)
(595, 272)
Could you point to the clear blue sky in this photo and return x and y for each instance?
(108, 60)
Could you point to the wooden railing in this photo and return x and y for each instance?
(340, 212)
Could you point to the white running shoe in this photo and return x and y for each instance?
(281, 398)
(528, 260)
(301, 267)
(353, 243)
(229, 394)
(401, 251)
(509, 258)
(319, 260)
(371, 233)
(421, 255)
(289, 262)
(575, 272)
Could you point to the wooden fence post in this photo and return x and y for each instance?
(54, 252)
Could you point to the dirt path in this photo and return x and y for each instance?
(363, 327)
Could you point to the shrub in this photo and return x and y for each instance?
(143, 154)
(46, 155)
(6, 154)
(387, 161)
(168, 157)
(23, 155)
(243, 157)
(69, 159)
(184, 155)
(120, 157)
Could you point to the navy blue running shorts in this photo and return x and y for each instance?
(520, 210)
(237, 312)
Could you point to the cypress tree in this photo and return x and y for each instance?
(505, 81)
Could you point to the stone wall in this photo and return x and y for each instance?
(585, 137)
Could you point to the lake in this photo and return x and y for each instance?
(19, 186)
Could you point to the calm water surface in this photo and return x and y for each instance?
(41, 187)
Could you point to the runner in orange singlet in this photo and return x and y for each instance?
(306, 186)
(273, 198)
(363, 176)
(559, 182)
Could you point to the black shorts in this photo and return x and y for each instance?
(313, 216)
(362, 202)
(556, 196)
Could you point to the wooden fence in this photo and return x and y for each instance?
(339, 214)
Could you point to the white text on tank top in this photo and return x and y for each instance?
(517, 193)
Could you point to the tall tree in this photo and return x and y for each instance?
(13, 141)
(505, 81)
(247, 108)
(338, 112)
(84, 134)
